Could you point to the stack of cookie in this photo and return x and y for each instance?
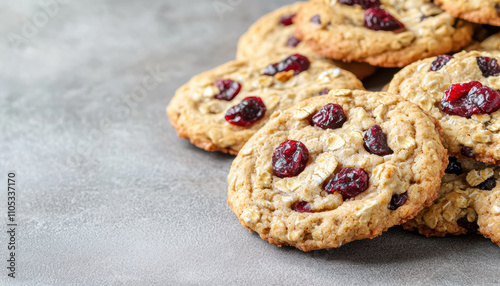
(322, 162)
(461, 92)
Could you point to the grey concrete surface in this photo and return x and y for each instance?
(106, 192)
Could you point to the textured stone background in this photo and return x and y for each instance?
(108, 195)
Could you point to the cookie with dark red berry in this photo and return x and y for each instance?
(476, 11)
(468, 201)
(461, 91)
(221, 109)
(387, 33)
(273, 34)
(337, 168)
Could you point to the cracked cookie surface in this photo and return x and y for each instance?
(468, 201)
(198, 116)
(479, 133)
(341, 34)
(477, 11)
(269, 35)
(342, 191)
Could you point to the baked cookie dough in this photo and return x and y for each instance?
(468, 201)
(337, 168)
(274, 34)
(492, 43)
(414, 30)
(197, 114)
(486, 34)
(477, 11)
(462, 95)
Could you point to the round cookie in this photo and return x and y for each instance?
(477, 11)
(298, 184)
(465, 134)
(197, 115)
(274, 34)
(416, 30)
(468, 201)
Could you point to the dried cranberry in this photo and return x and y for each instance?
(454, 167)
(298, 63)
(349, 182)
(302, 207)
(376, 141)
(292, 41)
(488, 66)
(290, 159)
(469, 226)
(440, 62)
(365, 4)
(324, 91)
(467, 99)
(397, 201)
(287, 20)
(316, 19)
(247, 112)
(467, 152)
(379, 19)
(488, 185)
(330, 116)
(228, 89)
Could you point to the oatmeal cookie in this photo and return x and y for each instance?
(274, 34)
(221, 109)
(468, 201)
(388, 33)
(477, 11)
(492, 43)
(461, 91)
(485, 38)
(337, 168)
